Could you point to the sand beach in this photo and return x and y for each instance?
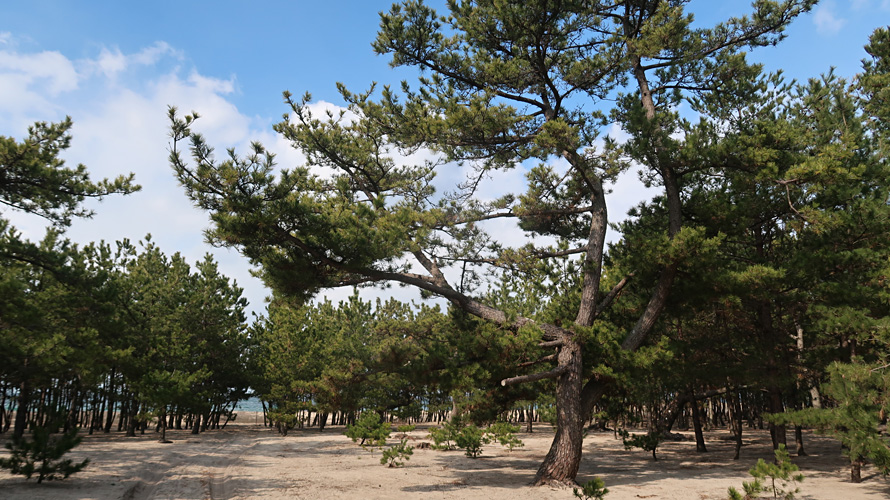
(247, 461)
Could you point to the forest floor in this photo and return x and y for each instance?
(247, 461)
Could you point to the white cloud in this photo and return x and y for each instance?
(120, 127)
(111, 62)
(826, 20)
(5, 38)
(51, 71)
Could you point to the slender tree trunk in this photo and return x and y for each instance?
(21, 410)
(196, 425)
(109, 401)
(798, 439)
(856, 470)
(131, 418)
(737, 418)
(162, 422)
(529, 417)
(696, 423)
(777, 432)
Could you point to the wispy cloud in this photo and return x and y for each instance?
(827, 21)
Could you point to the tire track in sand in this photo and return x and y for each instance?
(176, 474)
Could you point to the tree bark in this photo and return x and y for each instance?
(696, 423)
(21, 410)
(856, 470)
(561, 464)
(737, 422)
(777, 432)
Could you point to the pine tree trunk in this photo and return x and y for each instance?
(131, 418)
(162, 422)
(856, 470)
(21, 410)
(737, 418)
(529, 417)
(696, 423)
(561, 464)
(109, 419)
(777, 432)
(798, 439)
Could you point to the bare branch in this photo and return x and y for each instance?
(613, 294)
(556, 372)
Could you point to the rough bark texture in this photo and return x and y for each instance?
(561, 464)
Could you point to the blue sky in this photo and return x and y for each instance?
(114, 67)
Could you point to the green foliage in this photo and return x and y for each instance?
(857, 393)
(647, 442)
(471, 438)
(370, 429)
(405, 428)
(504, 433)
(394, 454)
(36, 180)
(42, 453)
(444, 437)
(595, 489)
(779, 475)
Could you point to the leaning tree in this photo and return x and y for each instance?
(503, 85)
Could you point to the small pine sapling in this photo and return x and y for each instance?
(471, 438)
(403, 430)
(780, 476)
(370, 429)
(858, 391)
(394, 454)
(444, 437)
(504, 433)
(40, 455)
(647, 442)
(595, 489)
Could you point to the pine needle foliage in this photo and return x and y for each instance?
(41, 454)
(370, 429)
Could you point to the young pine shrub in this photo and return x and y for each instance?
(647, 442)
(504, 433)
(370, 429)
(403, 430)
(595, 489)
(779, 476)
(444, 437)
(394, 454)
(42, 453)
(471, 438)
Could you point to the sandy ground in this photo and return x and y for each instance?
(246, 461)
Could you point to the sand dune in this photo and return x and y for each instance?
(247, 461)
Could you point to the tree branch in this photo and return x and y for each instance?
(554, 373)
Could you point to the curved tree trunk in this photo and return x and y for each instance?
(561, 464)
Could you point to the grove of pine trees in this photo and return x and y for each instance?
(754, 284)
(91, 332)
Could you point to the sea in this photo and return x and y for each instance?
(249, 404)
